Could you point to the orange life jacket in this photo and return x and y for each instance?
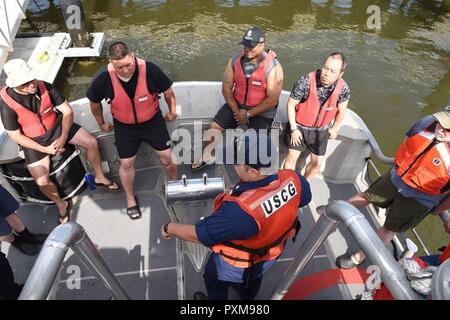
(445, 255)
(252, 91)
(144, 105)
(31, 124)
(422, 165)
(274, 208)
(310, 114)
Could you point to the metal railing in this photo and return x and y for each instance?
(48, 263)
(392, 274)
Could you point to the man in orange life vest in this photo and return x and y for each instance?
(251, 87)
(315, 109)
(36, 116)
(131, 86)
(250, 224)
(417, 185)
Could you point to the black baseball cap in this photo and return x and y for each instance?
(252, 37)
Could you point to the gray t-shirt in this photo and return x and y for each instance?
(248, 69)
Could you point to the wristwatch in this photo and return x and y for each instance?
(293, 129)
(165, 227)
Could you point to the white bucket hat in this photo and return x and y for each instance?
(18, 72)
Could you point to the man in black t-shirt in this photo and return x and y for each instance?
(36, 116)
(131, 86)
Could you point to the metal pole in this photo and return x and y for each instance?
(322, 229)
(89, 255)
(76, 22)
(391, 273)
(48, 263)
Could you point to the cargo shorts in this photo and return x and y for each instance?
(403, 213)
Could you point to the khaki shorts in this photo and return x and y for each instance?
(403, 213)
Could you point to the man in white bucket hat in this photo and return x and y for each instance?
(36, 116)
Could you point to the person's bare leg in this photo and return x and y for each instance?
(313, 166)
(385, 235)
(39, 170)
(15, 222)
(169, 167)
(358, 200)
(127, 174)
(291, 159)
(207, 158)
(87, 141)
(8, 238)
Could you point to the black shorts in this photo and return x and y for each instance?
(315, 140)
(32, 156)
(225, 118)
(129, 137)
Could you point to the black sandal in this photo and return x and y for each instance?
(67, 214)
(202, 165)
(134, 212)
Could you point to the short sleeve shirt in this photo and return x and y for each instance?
(101, 86)
(300, 91)
(423, 198)
(231, 222)
(31, 102)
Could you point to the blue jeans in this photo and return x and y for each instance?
(218, 289)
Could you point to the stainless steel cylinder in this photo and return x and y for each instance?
(194, 189)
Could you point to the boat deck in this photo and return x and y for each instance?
(149, 267)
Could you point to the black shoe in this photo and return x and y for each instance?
(24, 247)
(348, 262)
(200, 296)
(29, 237)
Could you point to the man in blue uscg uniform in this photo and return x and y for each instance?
(250, 223)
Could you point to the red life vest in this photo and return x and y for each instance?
(31, 124)
(310, 113)
(445, 255)
(274, 208)
(252, 91)
(144, 105)
(423, 166)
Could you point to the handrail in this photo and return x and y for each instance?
(372, 141)
(48, 263)
(392, 274)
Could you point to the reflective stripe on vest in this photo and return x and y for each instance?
(310, 114)
(144, 105)
(252, 91)
(422, 165)
(31, 124)
(274, 208)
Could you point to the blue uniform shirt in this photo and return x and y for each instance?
(230, 222)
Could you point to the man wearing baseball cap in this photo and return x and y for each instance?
(417, 185)
(36, 116)
(251, 87)
(250, 224)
